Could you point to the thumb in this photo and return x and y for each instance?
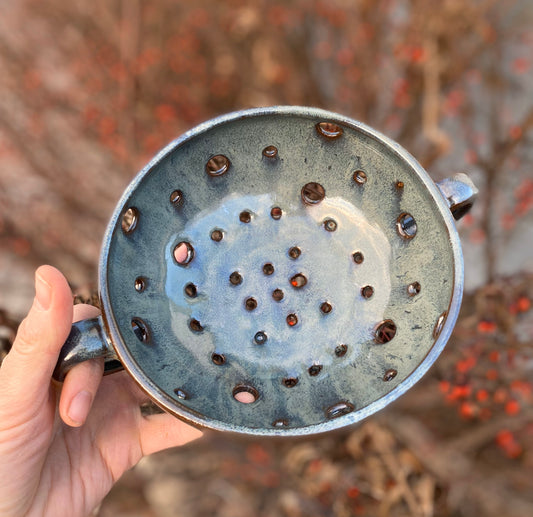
(27, 370)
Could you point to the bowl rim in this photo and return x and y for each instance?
(199, 420)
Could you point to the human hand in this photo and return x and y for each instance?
(62, 459)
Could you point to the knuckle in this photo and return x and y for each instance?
(27, 337)
(32, 339)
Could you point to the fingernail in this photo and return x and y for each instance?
(43, 293)
(79, 407)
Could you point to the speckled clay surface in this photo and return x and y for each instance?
(302, 381)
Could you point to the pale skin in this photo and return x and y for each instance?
(63, 448)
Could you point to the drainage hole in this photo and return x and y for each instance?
(389, 375)
(313, 193)
(130, 220)
(413, 289)
(235, 278)
(330, 225)
(277, 295)
(339, 409)
(183, 395)
(340, 350)
(294, 252)
(250, 304)
(385, 331)
(298, 280)
(360, 177)
(315, 369)
(140, 330)
(217, 235)
(358, 257)
(245, 394)
(191, 290)
(290, 382)
(280, 423)
(326, 307)
(268, 268)
(292, 320)
(195, 325)
(218, 359)
(245, 216)
(217, 165)
(140, 284)
(329, 130)
(260, 338)
(183, 253)
(439, 325)
(276, 213)
(406, 226)
(176, 198)
(270, 151)
(367, 291)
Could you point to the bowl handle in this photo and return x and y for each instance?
(459, 192)
(87, 340)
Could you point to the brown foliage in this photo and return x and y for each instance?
(90, 91)
(458, 443)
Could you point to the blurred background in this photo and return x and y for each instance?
(90, 91)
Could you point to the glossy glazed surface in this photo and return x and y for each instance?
(203, 293)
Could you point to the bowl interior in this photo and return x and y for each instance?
(280, 272)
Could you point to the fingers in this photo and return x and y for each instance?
(26, 371)
(162, 431)
(79, 391)
(84, 312)
(81, 383)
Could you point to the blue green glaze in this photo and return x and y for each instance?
(178, 358)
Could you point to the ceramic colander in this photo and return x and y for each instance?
(278, 271)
